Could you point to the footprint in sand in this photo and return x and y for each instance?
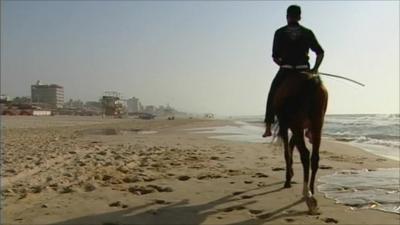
(88, 187)
(161, 202)
(160, 188)
(230, 209)
(255, 211)
(260, 175)
(246, 196)
(209, 176)
(325, 167)
(289, 220)
(183, 178)
(115, 204)
(329, 220)
(237, 192)
(141, 190)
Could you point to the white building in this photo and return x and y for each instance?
(150, 109)
(134, 105)
(52, 94)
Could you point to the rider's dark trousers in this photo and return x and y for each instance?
(269, 113)
(280, 76)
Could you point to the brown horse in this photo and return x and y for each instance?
(300, 104)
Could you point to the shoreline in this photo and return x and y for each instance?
(110, 172)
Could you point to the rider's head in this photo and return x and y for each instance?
(293, 13)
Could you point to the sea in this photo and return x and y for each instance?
(378, 134)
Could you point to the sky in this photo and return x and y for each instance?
(197, 56)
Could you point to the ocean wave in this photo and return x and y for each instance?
(372, 129)
(372, 141)
(393, 143)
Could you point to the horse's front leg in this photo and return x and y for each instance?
(305, 160)
(289, 162)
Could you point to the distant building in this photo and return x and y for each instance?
(5, 98)
(150, 109)
(134, 105)
(49, 94)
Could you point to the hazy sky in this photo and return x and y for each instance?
(197, 56)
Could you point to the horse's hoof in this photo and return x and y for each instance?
(287, 185)
(312, 205)
(314, 212)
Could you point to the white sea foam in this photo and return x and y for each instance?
(364, 189)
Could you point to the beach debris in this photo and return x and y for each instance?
(248, 182)
(277, 168)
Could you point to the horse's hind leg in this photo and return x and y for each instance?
(284, 135)
(289, 162)
(305, 159)
(315, 158)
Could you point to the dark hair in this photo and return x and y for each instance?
(294, 11)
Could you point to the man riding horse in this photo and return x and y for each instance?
(290, 51)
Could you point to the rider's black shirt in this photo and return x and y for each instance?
(292, 42)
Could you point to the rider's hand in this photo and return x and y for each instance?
(314, 71)
(278, 61)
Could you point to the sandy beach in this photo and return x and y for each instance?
(89, 170)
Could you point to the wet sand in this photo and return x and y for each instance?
(89, 170)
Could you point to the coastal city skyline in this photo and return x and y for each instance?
(198, 56)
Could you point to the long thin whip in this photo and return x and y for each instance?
(341, 77)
